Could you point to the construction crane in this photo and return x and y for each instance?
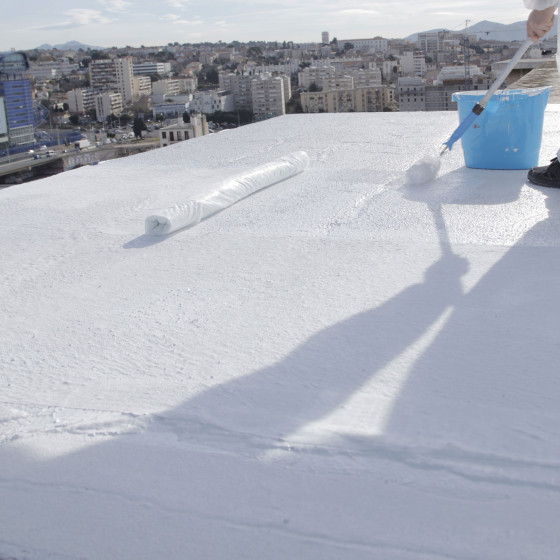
(467, 56)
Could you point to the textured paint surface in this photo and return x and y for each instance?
(342, 365)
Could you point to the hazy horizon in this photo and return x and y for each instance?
(107, 23)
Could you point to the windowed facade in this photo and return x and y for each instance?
(17, 101)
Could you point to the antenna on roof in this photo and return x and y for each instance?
(467, 56)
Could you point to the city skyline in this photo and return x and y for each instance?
(107, 23)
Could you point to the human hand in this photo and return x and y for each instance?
(539, 23)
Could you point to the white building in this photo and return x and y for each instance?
(432, 41)
(413, 63)
(188, 85)
(262, 94)
(169, 110)
(162, 88)
(107, 104)
(338, 81)
(240, 86)
(113, 75)
(315, 75)
(209, 102)
(368, 99)
(411, 94)
(145, 68)
(80, 101)
(3, 123)
(270, 95)
(48, 70)
(287, 69)
(125, 78)
(455, 73)
(367, 77)
(181, 131)
(377, 44)
(142, 86)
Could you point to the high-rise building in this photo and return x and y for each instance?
(16, 123)
(81, 101)
(262, 94)
(325, 37)
(107, 104)
(113, 75)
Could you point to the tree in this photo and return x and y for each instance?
(138, 126)
(186, 117)
(314, 87)
(74, 119)
(255, 53)
(294, 104)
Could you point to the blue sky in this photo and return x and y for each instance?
(28, 24)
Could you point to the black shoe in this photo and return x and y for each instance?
(546, 176)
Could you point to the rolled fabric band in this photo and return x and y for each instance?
(191, 212)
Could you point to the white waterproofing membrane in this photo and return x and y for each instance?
(343, 366)
(191, 212)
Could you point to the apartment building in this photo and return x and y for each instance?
(102, 75)
(169, 110)
(125, 78)
(315, 75)
(145, 68)
(80, 101)
(107, 104)
(113, 75)
(338, 81)
(432, 41)
(368, 99)
(411, 94)
(270, 95)
(413, 63)
(52, 69)
(209, 102)
(240, 86)
(367, 77)
(142, 86)
(288, 69)
(188, 85)
(162, 88)
(376, 44)
(262, 94)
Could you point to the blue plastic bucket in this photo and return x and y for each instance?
(507, 134)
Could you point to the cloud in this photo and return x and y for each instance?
(357, 12)
(181, 4)
(78, 18)
(115, 5)
(187, 22)
(170, 17)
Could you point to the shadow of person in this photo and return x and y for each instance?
(488, 384)
(321, 373)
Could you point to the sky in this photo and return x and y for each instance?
(106, 23)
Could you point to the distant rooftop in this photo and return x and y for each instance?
(544, 75)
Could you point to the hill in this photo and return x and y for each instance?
(491, 30)
(69, 46)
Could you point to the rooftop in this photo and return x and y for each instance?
(340, 366)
